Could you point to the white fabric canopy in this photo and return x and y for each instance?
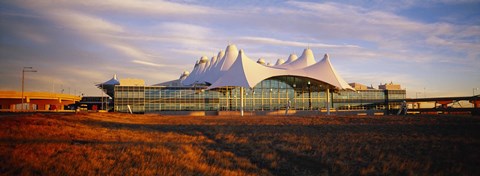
(236, 69)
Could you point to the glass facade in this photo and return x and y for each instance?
(270, 94)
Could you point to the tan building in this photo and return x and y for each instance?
(358, 86)
(132, 82)
(390, 86)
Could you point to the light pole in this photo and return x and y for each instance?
(473, 90)
(101, 95)
(25, 69)
(424, 92)
(416, 94)
(309, 96)
(270, 108)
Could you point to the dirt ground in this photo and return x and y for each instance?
(125, 144)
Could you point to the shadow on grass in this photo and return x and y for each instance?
(10, 141)
(444, 144)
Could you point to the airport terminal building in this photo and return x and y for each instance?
(232, 83)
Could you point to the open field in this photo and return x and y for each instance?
(124, 144)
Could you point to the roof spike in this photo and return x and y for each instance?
(244, 72)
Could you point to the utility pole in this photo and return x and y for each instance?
(424, 92)
(25, 69)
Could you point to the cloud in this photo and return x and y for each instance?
(128, 50)
(33, 36)
(148, 63)
(272, 41)
(186, 35)
(28, 33)
(149, 7)
(81, 22)
(357, 22)
(140, 38)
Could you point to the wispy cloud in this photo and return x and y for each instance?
(83, 23)
(129, 51)
(149, 39)
(273, 41)
(149, 7)
(148, 63)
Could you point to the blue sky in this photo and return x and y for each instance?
(430, 47)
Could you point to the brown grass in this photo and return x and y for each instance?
(123, 144)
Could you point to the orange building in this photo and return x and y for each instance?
(11, 101)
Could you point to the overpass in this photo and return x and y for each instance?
(441, 104)
(10, 101)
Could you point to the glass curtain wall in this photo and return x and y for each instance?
(130, 98)
(270, 94)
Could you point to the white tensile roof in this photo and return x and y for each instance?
(113, 81)
(236, 69)
(291, 58)
(191, 78)
(223, 64)
(280, 62)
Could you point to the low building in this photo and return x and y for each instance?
(11, 101)
(95, 103)
(231, 81)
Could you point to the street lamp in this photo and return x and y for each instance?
(270, 108)
(25, 69)
(416, 94)
(309, 96)
(424, 92)
(473, 90)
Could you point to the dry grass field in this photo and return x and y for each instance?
(124, 144)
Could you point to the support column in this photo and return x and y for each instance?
(328, 101)
(241, 101)
(476, 106)
(28, 103)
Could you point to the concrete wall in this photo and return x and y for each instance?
(269, 113)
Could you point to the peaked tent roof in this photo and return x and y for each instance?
(209, 77)
(192, 77)
(236, 69)
(113, 81)
(291, 58)
(223, 64)
(212, 63)
(202, 65)
(305, 60)
(220, 55)
(324, 71)
(279, 62)
(109, 85)
(231, 54)
(245, 73)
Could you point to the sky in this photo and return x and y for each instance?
(430, 47)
